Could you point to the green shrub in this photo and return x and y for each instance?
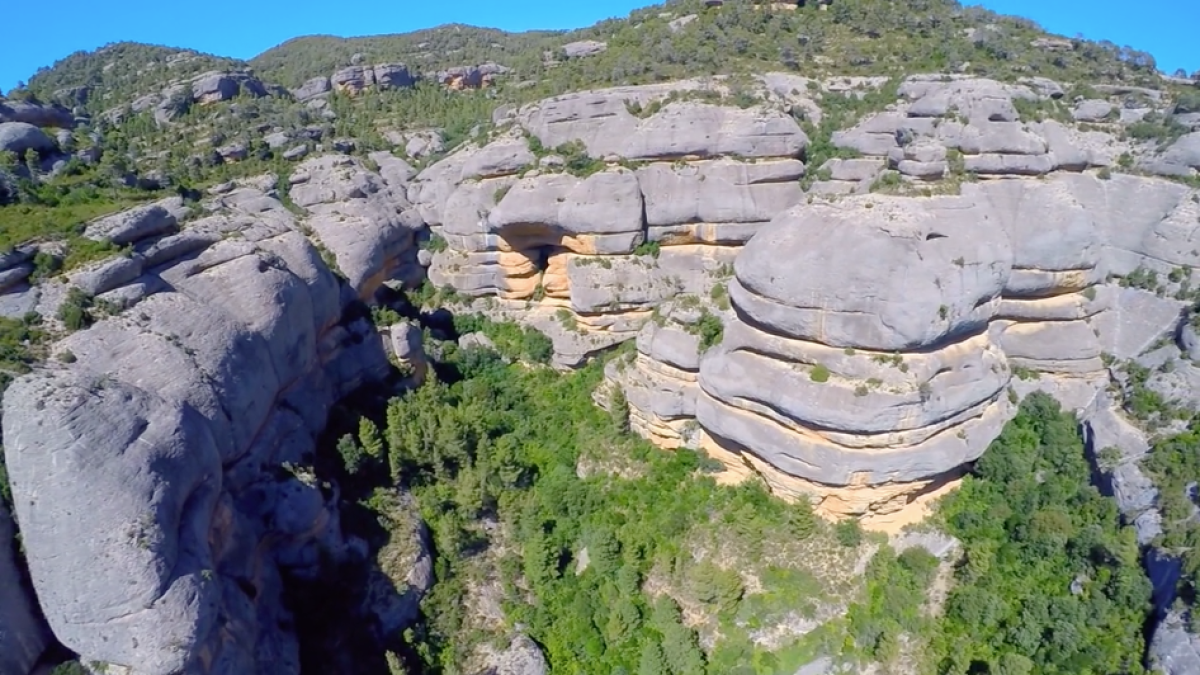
(75, 310)
(711, 330)
(648, 248)
(820, 373)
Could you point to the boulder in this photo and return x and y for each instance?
(581, 48)
(234, 152)
(212, 87)
(36, 114)
(787, 287)
(1174, 650)
(133, 225)
(603, 122)
(368, 226)
(393, 76)
(295, 153)
(1093, 110)
(312, 88)
(18, 137)
(353, 80)
(277, 140)
(522, 657)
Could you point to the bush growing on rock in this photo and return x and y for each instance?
(820, 373)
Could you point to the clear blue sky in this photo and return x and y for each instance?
(243, 28)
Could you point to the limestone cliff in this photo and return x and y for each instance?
(158, 461)
(870, 340)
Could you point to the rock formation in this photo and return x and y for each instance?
(146, 466)
(870, 342)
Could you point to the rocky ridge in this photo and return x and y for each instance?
(170, 440)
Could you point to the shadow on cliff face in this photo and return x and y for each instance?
(350, 618)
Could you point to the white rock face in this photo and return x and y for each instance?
(154, 450)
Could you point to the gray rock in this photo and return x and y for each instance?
(501, 158)
(574, 50)
(17, 137)
(627, 282)
(277, 140)
(367, 225)
(476, 340)
(393, 76)
(521, 658)
(353, 80)
(720, 191)
(134, 225)
(470, 77)
(234, 152)
(779, 289)
(312, 88)
(343, 145)
(36, 114)
(678, 24)
(295, 153)
(23, 637)
(1093, 110)
(603, 122)
(1173, 649)
(14, 276)
(212, 87)
(1018, 165)
(395, 171)
(105, 276)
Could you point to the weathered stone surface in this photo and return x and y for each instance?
(216, 86)
(15, 275)
(551, 207)
(154, 451)
(17, 137)
(601, 120)
(581, 48)
(470, 77)
(296, 153)
(133, 225)
(1173, 649)
(366, 224)
(23, 637)
(36, 114)
(522, 657)
(353, 80)
(502, 158)
(393, 76)
(864, 307)
(719, 191)
(1093, 110)
(312, 88)
(105, 276)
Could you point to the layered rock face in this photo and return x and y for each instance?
(869, 341)
(875, 336)
(560, 230)
(869, 384)
(150, 467)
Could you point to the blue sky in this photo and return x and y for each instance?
(244, 28)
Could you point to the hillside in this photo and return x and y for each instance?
(751, 338)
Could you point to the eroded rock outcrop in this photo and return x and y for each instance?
(147, 468)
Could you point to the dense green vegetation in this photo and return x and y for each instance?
(1051, 582)
(860, 36)
(1174, 464)
(616, 557)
